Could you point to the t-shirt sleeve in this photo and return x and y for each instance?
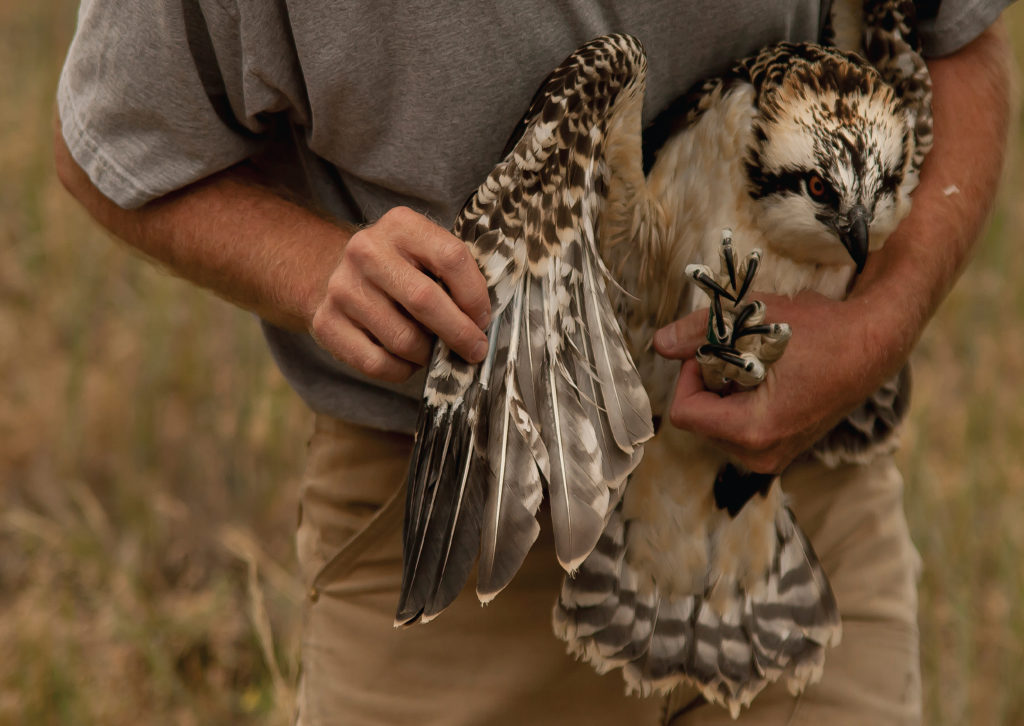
(947, 26)
(135, 99)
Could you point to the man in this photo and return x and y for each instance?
(241, 146)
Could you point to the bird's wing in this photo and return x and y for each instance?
(892, 45)
(557, 402)
(871, 429)
(885, 33)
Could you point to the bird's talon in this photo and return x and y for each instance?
(749, 272)
(722, 365)
(740, 344)
(749, 315)
(702, 276)
(728, 256)
(773, 343)
(766, 329)
(721, 328)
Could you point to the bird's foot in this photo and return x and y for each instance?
(741, 346)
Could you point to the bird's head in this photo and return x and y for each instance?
(829, 162)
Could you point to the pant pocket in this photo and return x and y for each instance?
(351, 498)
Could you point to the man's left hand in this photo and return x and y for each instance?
(832, 363)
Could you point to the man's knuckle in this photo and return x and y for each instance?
(452, 256)
(422, 296)
(318, 325)
(337, 286)
(361, 250)
(401, 223)
(400, 215)
(373, 363)
(755, 439)
(405, 341)
(346, 296)
(677, 416)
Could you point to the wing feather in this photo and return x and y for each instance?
(872, 429)
(885, 32)
(558, 401)
(515, 489)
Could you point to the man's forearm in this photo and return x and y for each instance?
(371, 297)
(229, 235)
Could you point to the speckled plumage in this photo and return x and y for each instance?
(688, 569)
(557, 404)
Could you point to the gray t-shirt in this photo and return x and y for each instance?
(358, 107)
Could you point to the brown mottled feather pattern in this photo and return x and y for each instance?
(557, 403)
(888, 38)
(871, 429)
(751, 621)
(892, 45)
(581, 255)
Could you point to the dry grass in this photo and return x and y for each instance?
(149, 454)
(963, 459)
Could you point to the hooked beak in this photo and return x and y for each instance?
(855, 236)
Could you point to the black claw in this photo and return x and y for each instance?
(752, 264)
(744, 314)
(765, 329)
(718, 317)
(730, 260)
(727, 354)
(710, 282)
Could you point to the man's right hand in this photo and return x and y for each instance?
(398, 281)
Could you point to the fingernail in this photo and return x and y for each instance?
(484, 320)
(479, 352)
(665, 338)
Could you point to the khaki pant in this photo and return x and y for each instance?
(501, 664)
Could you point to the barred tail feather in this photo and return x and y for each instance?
(612, 616)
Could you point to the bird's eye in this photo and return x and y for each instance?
(816, 187)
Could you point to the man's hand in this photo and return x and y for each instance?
(841, 352)
(832, 363)
(368, 296)
(381, 303)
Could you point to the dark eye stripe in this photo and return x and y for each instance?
(890, 183)
(763, 183)
(788, 181)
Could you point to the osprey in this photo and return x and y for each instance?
(791, 167)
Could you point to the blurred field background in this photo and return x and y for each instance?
(150, 452)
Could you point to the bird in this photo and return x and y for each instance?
(783, 173)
